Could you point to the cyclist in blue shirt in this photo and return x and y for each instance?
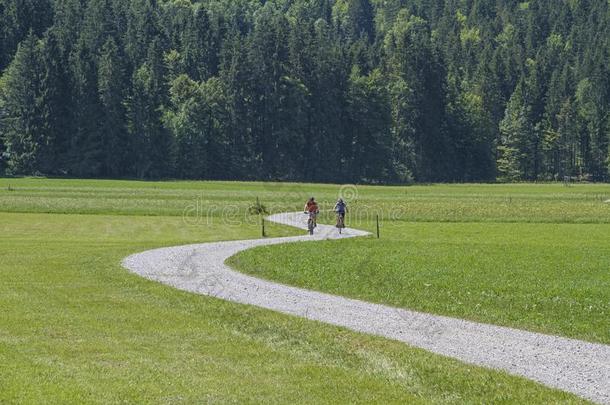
(340, 210)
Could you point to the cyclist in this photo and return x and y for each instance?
(311, 208)
(340, 210)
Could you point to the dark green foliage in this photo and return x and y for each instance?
(85, 154)
(318, 90)
(418, 87)
(19, 18)
(197, 118)
(111, 85)
(56, 106)
(22, 124)
(359, 22)
(150, 140)
(369, 120)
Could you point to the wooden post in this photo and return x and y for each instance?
(377, 226)
(263, 226)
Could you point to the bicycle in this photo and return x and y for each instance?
(340, 221)
(311, 222)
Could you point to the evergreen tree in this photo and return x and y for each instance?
(326, 147)
(68, 21)
(472, 135)
(360, 20)
(419, 88)
(561, 145)
(320, 90)
(268, 56)
(591, 112)
(151, 142)
(99, 24)
(516, 129)
(111, 83)
(142, 28)
(370, 125)
(180, 119)
(213, 115)
(235, 73)
(196, 45)
(22, 126)
(85, 154)
(197, 120)
(18, 19)
(55, 106)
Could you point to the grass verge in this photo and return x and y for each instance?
(77, 328)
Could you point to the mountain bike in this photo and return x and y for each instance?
(311, 222)
(340, 221)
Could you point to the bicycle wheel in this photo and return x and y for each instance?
(340, 222)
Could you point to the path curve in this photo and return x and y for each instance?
(582, 368)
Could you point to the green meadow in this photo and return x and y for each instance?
(534, 257)
(550, 278)
(78, 328)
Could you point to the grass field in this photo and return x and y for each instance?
(542, 266)
(550, 278)
(77, 328)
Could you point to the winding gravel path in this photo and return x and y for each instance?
(579, 367)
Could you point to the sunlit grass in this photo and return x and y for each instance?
(528, 256)
(551, 278)
(78, 328)
(549, 203)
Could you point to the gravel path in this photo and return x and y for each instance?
(579, 367)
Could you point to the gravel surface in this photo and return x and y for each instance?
(579, 367)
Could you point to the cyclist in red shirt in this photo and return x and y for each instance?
(311, 208)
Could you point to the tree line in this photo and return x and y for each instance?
(373, 91)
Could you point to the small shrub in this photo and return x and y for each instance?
(258, 209)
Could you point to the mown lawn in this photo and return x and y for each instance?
(532, 256)
(528, 256)
(551, 278)
(549, 203)
(77, 328)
